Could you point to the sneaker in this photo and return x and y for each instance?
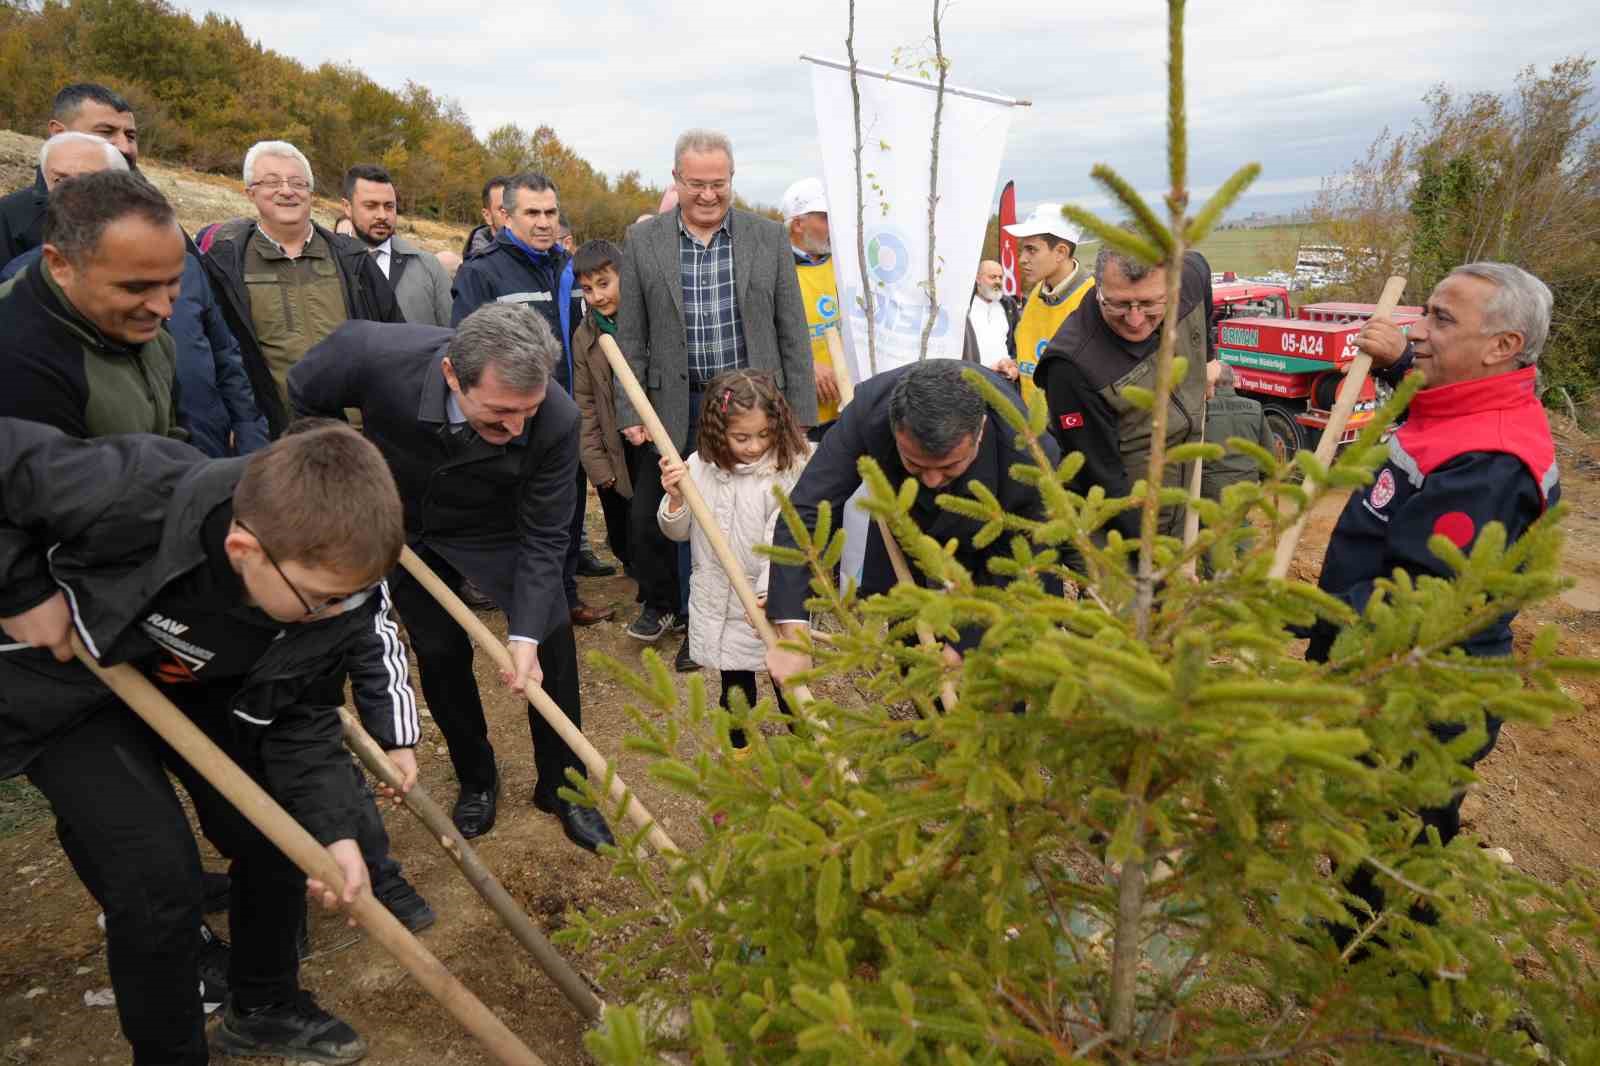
(214, 956)
(650, 626)
(685, 663)
(299, 1031)
(405, 904)
(679, 622)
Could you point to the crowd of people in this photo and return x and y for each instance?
(181, 488)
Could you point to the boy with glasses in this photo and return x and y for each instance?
(160, 559)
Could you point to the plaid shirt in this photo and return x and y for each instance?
(711, 326)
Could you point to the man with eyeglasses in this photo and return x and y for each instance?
(1107, 346)
(238, 587)
(706, 288)
(285, 282)
(922, 421)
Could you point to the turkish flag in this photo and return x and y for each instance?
(1008, 243)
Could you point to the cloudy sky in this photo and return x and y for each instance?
(1302, 86)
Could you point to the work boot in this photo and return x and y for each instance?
(299, 1031)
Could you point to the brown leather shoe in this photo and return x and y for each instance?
(584, 615)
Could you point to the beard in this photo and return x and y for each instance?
(989, 293)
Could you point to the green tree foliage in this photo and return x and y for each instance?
(1512, 177)
(1126, 840)
(204, 92)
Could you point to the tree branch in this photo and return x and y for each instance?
(933, 180)
(861, 200)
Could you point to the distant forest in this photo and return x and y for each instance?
(204, 92)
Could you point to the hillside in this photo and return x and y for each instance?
(202, 198)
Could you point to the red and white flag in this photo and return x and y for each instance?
(1008, 244)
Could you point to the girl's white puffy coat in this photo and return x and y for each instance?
(744, 508)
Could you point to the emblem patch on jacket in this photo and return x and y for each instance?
(1072, 420)
(1383, 491)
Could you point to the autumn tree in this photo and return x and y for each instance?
(1513, 177)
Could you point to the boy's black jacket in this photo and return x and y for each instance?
(112, 522)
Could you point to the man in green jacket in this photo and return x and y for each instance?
(1230, 415)
(81, 340)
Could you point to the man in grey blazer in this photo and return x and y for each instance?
(421, 284)
(706, 288)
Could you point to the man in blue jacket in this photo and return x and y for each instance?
(527, 265)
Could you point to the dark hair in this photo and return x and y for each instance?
(520, 345)
(934, 403)
(563, 225)
(1052, 242)
(496, 182)
(72, 97)
(739, 391)
(80, 209)
(322, 495)
(364, 172)
(594, 256)
(530, 180)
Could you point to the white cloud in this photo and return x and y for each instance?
(1300, 85)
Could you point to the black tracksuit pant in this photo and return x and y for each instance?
(575, 541)
(125, 832)
(444, 659)
(655, 558)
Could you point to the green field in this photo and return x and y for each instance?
(1246, 252)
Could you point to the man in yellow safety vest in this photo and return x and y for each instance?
(805, 215)
(1046, 248)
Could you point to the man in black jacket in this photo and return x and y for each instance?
(81, 108)
(1107, 346)
(237, 586)
(284, 282)
(528, 266)
(922, 421)
(486, 455)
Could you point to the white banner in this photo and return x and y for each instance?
(897, 153)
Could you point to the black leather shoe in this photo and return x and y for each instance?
(474, 597)
(584, 826)
(589, 565)
(475, 811)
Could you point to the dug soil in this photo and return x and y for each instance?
(1539, 798)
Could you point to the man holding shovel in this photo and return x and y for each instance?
(238, 587)
(486, 455)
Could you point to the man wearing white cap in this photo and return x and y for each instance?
(805, 215)
(1047, 245)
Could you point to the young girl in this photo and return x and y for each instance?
(749, 442)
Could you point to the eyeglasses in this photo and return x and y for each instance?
(297, 184)
(1148, 308)
(717, 187)
(326, 605)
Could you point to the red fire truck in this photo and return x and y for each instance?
(1294, 365)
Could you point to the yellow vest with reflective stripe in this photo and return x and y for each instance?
(820, 292)
(1038, 325)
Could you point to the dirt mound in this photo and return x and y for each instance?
(205, 198)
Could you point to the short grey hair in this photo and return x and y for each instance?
(516, 341)
(114, 160)
(530, 180)
(1130, 267)
(1225, 376)
(1521, 304)
(281, 149)
(702, 141)
(934, 403)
